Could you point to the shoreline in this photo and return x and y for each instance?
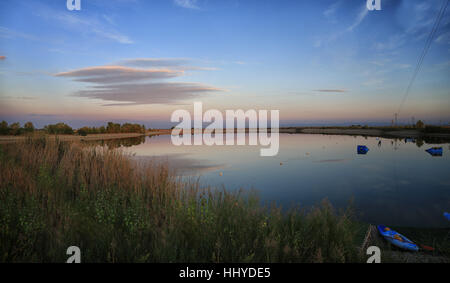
(393, 133)
(372, 132)
(93, 137)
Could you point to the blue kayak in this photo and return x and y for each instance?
(447, 215)
(435, 151)
(397, 239)
(362, 149)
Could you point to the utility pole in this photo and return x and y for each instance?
(395, 119)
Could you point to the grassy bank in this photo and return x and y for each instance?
(57, 194)
(71, 138)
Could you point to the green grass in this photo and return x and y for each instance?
(54, 195)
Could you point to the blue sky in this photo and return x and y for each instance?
(318, 62)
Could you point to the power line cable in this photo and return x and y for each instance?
(424, 52)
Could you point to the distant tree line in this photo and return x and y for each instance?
(64, 129)
(59, 129)
(112, 128)
(15, 128)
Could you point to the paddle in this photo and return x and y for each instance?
(428, 248)
(424, 247)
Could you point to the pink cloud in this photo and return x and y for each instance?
(117, 74)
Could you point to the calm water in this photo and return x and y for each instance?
(397, 183)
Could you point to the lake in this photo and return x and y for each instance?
(396, 183)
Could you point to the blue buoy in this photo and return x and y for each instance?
(362, 149)
(435, 151)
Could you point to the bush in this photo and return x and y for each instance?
(28, 127)
(113, 128)
(15, 129)
(59, 128)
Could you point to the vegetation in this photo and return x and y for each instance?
(420, 124)
(15, 128)
(54, 195)
(125, 128)
(91, 130)
(59, 129)
(64, 129)
(117, 143)
(113, 128)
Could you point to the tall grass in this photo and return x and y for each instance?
(57, 194)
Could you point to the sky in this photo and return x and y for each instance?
(318, 62)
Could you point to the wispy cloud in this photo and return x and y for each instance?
(148, 93)
(173, 63)
(2, 57)
(19, 97)
(392, 43)
(189, 4)
(362, 14)
(10, 33)
(124, 85)
(420, 21)
(154, 62)
(331, 90)
(331, 11)
(117, 74)
(319, 92)
(98, 26)
(444, 38)
(372, 82)
(402, 66)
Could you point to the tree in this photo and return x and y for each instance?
(113, 128)
(82, 132)
(419, 142)
(59, 128)
(4, 129)
(14, 129)
(420, 124)
(28, 127)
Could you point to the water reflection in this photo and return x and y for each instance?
(435, 151)
(397, 183)
(116, 143)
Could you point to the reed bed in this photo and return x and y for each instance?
(56, 194)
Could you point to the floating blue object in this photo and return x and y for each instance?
(435, 151)
(447, 215)
(397, 239)
(362, 149)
